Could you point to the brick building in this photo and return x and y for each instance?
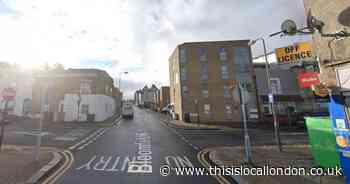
(336, 16)
(164, 96)
(201, 78)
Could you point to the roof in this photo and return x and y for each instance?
(210, 42)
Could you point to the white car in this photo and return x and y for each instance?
(127, 110)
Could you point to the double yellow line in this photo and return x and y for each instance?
(68, 161)
(205, 163)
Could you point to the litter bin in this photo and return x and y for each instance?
(322, 140)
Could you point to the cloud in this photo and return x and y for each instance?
(133, 35)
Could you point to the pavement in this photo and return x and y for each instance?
(19, 141)
(18, 164)
(55, 134)
(298, 156)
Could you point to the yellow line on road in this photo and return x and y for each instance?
(202, 160)
(69, 159)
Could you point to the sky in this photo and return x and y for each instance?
(136, 36)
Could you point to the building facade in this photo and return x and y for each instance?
(76, 95)
(21, 81)
(331, 53)
(164, 96)
(203, 78)
(286, 89)
(147, 97)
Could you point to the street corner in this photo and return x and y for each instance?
(203, 157)
(19, 162)
(52, 171)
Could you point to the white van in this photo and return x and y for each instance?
(127, 110)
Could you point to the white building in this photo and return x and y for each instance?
(21, 81)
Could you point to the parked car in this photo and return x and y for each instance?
(127, 110)
(168, 109)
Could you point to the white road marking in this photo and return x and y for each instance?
(126, 164)
(102, 164)
(114, 167)
(85, 139)
(143, 162)
(87, 165)
(178, 161)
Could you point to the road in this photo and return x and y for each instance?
(144, 139)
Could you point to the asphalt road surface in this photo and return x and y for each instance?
(133, 152)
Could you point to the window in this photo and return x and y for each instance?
(203, 54)
(228, 109)
(176, 78)
(222, 54)
(242, 62)
(227, 92)
(106, 108)
(84, 109)
(183, 55)
(184, 90)
(267, 109)
(206, 109)
(204, 71)
(27, 106)
(85, 86)
(276, 85)
(183, 74)
(224, 71)
(205, 91)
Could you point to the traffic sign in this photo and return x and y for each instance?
(8, 93)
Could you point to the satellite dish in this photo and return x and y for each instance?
(344, 17)
(313, 23)
(289, 27)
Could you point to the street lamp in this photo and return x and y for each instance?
(267, 67)
(120, 76)
(78, 103)
(120, 89)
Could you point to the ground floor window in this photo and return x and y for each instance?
(206, 109)
(85, 109)
(228, 111)
(27, 106)
(267, 109)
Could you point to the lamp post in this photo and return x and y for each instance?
(272, 105)
(120, 89)
(120, 76)
(78, 103)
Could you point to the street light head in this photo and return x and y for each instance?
(126, 72)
